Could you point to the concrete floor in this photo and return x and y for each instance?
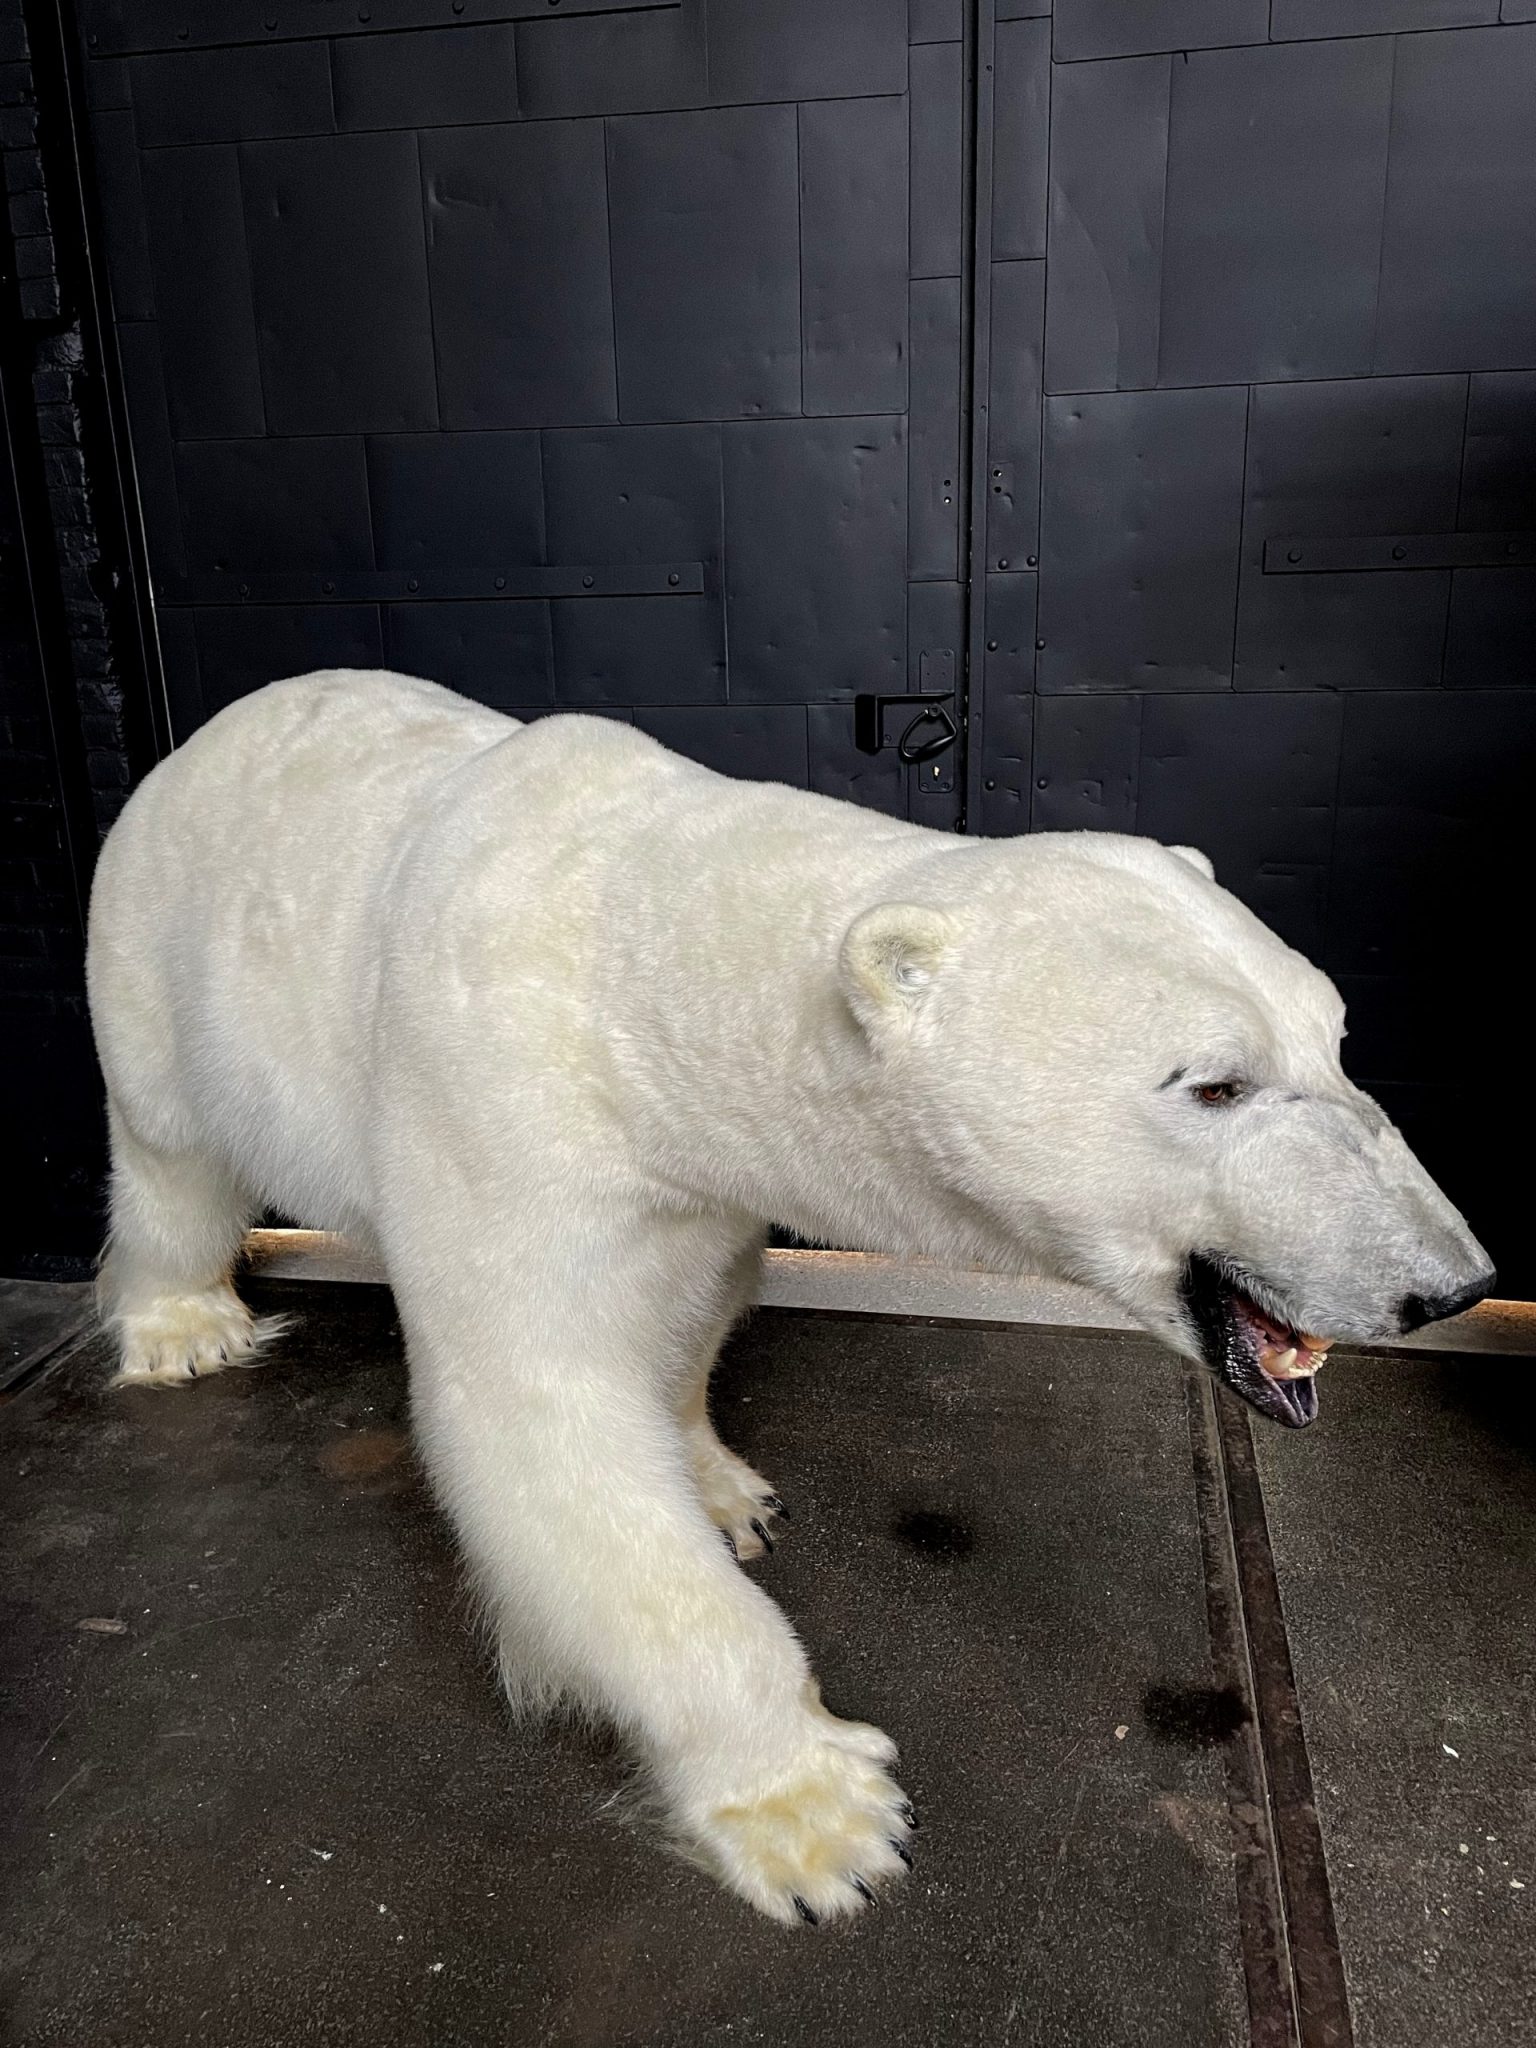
(262, 1790)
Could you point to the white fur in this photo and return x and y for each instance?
(557, 1020)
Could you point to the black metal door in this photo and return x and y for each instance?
(574, 353)
(1277, 256)
(1150, 383)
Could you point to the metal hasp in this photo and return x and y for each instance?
(869, 725)
(931, 731)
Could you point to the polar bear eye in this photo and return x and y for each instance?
(1216, 1092)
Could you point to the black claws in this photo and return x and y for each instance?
(862, 1889)
(902, 1851)
(811, 1919)
(776, 1507)
(764, 1538)
(905, 1810)
(730, 1544)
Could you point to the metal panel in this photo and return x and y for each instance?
(639, 650)
(1365, 456)
(1129, 28)
(1491, 643)
(1087, 758)
(938, 160)
(1276, 168)
(445, 77)
(1498, 477)
(517, 238)
(815, 514)
(1022, 92)
(1109, 167)
(498, 654)
(232, 95)
(1460, 211)
(853, 255)
(203, 291)
(805, 49)
(765, 742)
(300, 505)
(1269, 834)
(1009, 702)
(439, 500)
(935, 21)
(339, 275)
(633, 494)
(1013, 435)
(933, 456)
(1139, 540)
(1373, 17)
(239, 649)
(705, 255)
(613, 63)
(122, 200)
(113, 27)
(1433, 840)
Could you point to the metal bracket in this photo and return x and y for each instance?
(1309, 554)
(407, 586)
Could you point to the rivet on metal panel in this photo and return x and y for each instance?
(672, 578)
(1399, 553)
(328, 588)
(1293, 555)
(586, 582)
(412, 583)
(245, 590)
(990, 783)
(182, 34)
(1042, 782)
(1031, 561)
(501, 582)
(1002, 561)
(1039, 645)
(991, 647)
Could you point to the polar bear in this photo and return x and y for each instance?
(555, 1020)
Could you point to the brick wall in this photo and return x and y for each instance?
(67, 742)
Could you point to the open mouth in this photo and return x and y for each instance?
(1269, 1362)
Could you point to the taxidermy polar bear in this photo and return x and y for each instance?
(556, 1019)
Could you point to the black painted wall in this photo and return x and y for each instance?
(1159, 376)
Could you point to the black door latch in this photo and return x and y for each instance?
(929, 733)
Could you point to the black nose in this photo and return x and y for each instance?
(1416, 1310)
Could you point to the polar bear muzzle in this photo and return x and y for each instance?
(1252, 1348)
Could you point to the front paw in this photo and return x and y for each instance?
(816, 1837)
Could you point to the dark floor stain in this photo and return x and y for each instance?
(364, 1453)
(932, 1533)
(1200, 1716)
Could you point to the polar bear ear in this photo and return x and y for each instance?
(1197, 860)
(889, 958)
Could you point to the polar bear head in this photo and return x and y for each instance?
(1118, 1076)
